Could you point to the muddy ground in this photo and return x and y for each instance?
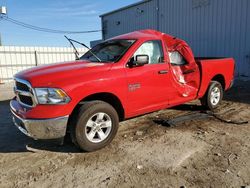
(147, 152)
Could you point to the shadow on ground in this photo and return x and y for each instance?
(240, 92)
(12, 140)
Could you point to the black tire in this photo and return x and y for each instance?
(206, 101)
(79, 130)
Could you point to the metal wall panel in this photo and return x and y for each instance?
(216, 28)
(245, 67)
(211, 27)
(138, 17)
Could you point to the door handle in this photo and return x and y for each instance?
(163, 72)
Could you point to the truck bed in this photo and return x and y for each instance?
(215, 67)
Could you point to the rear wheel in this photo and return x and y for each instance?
(96, 126)
(214, 96)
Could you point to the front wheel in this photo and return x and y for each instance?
(96, 126)
(214, 96)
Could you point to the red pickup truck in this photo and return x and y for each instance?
(124, 77)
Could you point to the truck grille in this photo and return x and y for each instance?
(26, 100)
(24, 93)
(21, 86)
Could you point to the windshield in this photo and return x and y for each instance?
(109, 51)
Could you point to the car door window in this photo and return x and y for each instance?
(153, 49)
(176, 59)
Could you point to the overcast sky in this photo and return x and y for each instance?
(76, 15)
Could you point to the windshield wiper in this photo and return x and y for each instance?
(76, 52)
(71, 42)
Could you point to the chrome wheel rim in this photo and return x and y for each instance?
(215, 96)
(98, 127)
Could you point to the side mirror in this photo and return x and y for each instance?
(141, 60)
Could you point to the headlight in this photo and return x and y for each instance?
(51, 96)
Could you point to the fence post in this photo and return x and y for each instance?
(36, 61)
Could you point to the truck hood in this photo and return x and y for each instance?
(54, 74)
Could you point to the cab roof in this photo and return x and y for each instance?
(148, 33)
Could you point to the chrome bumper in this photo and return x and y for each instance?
(42, 128)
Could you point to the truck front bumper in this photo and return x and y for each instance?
(44, 129)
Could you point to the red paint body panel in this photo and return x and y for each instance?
(213, 67)
(150, 91)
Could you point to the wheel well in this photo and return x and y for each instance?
(106, 97)
(219, 78)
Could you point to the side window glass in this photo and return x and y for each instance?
(153, 49)
(176, 59)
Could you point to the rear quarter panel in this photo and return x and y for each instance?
(212, 67)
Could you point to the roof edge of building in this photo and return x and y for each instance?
(124, 8)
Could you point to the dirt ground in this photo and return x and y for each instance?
(147, 152)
